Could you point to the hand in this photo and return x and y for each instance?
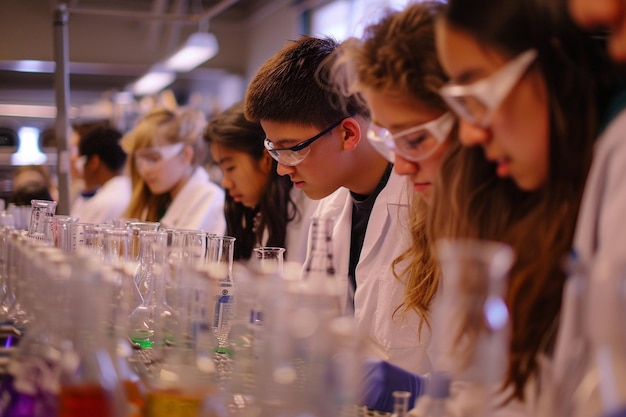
(381, 379)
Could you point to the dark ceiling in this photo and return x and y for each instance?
(113, 42)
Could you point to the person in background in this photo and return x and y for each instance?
(166, 151)
(31, 182)
(412, 124)
(604, 14)
(261, 208)
(79, 130)
(529, 103)
(101, 164)
(318, 140)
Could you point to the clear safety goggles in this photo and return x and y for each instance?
(477, 102)
(414, 144)
(150, 157)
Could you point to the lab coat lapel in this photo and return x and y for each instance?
(390, 201)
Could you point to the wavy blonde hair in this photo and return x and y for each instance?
(397, 56)
(161, 127)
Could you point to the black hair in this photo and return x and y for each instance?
(104, 142)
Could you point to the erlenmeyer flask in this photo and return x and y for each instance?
(220, 264)
(470, 322)
(154, 312)
(41, 210)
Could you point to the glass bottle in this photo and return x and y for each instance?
(470, 322)
(41, 210)
(220, 264)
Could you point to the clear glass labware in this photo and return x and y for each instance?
(188, 247)
(90, 384)
(119, 276)
(41, 210)
(186, 372)
(400, 403)
(30, 386)
(220, 264)
(61, 231)
(470, 323)
(154, 321)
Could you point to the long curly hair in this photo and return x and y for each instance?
(397, 56)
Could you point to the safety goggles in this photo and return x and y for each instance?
(414, 144)
(150, 157)
(293, 155)
(477, 102)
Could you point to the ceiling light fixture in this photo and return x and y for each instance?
(153, 81)
(199, 48)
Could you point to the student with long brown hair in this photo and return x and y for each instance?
(529, 88)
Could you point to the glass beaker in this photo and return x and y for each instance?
(220, 264)
(61, 231)
(270, 258)
(41, 210)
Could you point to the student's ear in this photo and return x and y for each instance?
(351, 133)
(94, 162)
(188, 154)
(266, 162)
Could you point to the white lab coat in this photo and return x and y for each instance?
(600, 230)
(298, 230)
(379, 292)
(109, 202)
(199, 205)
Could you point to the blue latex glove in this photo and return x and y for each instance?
(381, 379)
(621, 413)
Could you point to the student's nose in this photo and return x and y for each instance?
(226, 182)
(283, 169)
(472, 135)
(404, 166)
